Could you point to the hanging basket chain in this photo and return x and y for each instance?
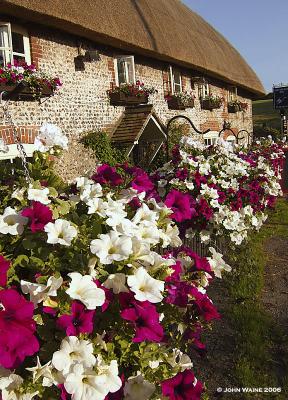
(17, 140)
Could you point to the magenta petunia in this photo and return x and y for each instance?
(180, 204)
(4, 266)
(144, 317)
(39, 216)
(107, 175)
(142, 183)
(79, 321)
(17, 327)
(183, 386)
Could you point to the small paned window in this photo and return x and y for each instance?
(125, 70)
(176, 80)
(232, 94)
(203, 90)
(14, 44)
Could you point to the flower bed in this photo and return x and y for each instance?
(90, 309)
(23, 82)
(221, 192)
(130, 94)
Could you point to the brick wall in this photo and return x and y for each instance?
(82, 105)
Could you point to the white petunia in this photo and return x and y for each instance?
(73, 351)
(145, 287)
(50, 135)
(217, 263)
(40, 195)
(145, 216)
(39, 292)
(116, 282)
(137, 388)
(179, 359)
(111, 247)
(85, 384)
(83, 288)
(110, 372)
(61, 231)
(12, 222)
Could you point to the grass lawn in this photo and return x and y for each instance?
(264, 113)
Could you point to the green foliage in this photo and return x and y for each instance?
(176, 132)
(100, 144)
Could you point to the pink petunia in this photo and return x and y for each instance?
(107, 175)
(142, 183)
(180, 204)
(39, 216)
(182, 386)
(79, 321)
(17, 327)
(143, 316)
(4, 266)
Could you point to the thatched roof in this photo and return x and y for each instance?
(163, 29)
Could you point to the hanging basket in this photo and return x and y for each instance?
(122, 99)
(22, 91)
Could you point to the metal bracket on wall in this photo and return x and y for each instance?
(190, 122)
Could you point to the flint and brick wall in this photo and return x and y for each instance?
(82, 105)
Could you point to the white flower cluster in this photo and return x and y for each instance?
(50, 135)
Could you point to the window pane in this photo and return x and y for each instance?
(121, 70)
(17, 42)
(130, 71)
(177, 88)
(2, 57)
(4, 36)
(177, 81)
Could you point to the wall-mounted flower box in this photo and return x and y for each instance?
(20, 81)
(211, 103)
(130, 94)
(233, 108)
(180, 101)
(23, 91)
(123, 99)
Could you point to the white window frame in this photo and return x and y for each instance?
(172, 80)
(203, 90)
(232, 94)
(210, 137)
(126, 58)
(231, 139)
(8, 48)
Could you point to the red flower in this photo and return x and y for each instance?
(183, 386)
(39, 215)
(180, 204)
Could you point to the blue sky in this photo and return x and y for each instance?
(257, 28)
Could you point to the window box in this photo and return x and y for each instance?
(233, 108)
(176, 103)
(180, 101)
(211, 103)
(123, 99)
(22, 91)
